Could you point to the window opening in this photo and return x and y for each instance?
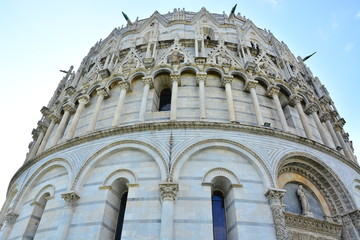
(165, 100)
(120, 221)
(219, 217)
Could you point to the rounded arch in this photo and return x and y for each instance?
(220, 172)
(92, 89)
(47, 166)
(214, 69)
(193, 148)
(326, 181)
(189, 68)
(136, 75)
(50, 189)
(262, 81)
(161, 70)
(240, 74)
(114, 80)
(120, 173)
(284, 89)
(125, 144)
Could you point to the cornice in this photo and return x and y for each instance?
(151, 126)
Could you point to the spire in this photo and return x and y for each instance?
(232, 13)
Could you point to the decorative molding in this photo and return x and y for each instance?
(312, 225)
(211, 174)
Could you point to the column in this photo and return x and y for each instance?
(277, 208)
(148, 83)
(355, 217)
(68, 109)
(312, 109)
(227, 80)
(325, 117)
(347, 142)
(124, 87)
(338, 129)
(83, 102)
(71, 199)
(103, 93)
(349, 230)
(201, 81)
(54, 119)
(175, 80)
(274, 93)
(10, 219)
(295, 100)
(250, 85)
(168, 191)
(42, 127)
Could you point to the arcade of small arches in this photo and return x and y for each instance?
(166, 83)
(330, 209)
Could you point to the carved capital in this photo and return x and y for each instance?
(201, 76)
(325, 100)
(294, 99)
(275, 196)
(310, 108)
(168, 191)
(250, 84)
(70, 198)
(84, 100)
(272, 90)
(338, 127)
(54, 117)
(148, 80)
(324, 117)
(124, 85)
(174, 77)
(102, 91)
(42, 126)
(70, 107)
(275, 199)
(10, 217)
(45, 111)
(227, 79)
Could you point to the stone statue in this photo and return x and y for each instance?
(222, 59)
(176, 58)
(305, 205)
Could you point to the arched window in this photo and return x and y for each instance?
(219, 217)
(165, 100)
(121, 215)
(35, 217)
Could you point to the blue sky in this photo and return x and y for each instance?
(38, 38)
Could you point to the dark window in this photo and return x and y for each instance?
(165, 100)
(219, 218)
(120, 221)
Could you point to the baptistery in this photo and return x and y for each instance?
(187, 125)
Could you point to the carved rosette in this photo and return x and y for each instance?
(275, 199)
(10, 217)
(102, 91)
(148, 80)
(168, 191)
(250, 84)
(70, 198)
(273, 90)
